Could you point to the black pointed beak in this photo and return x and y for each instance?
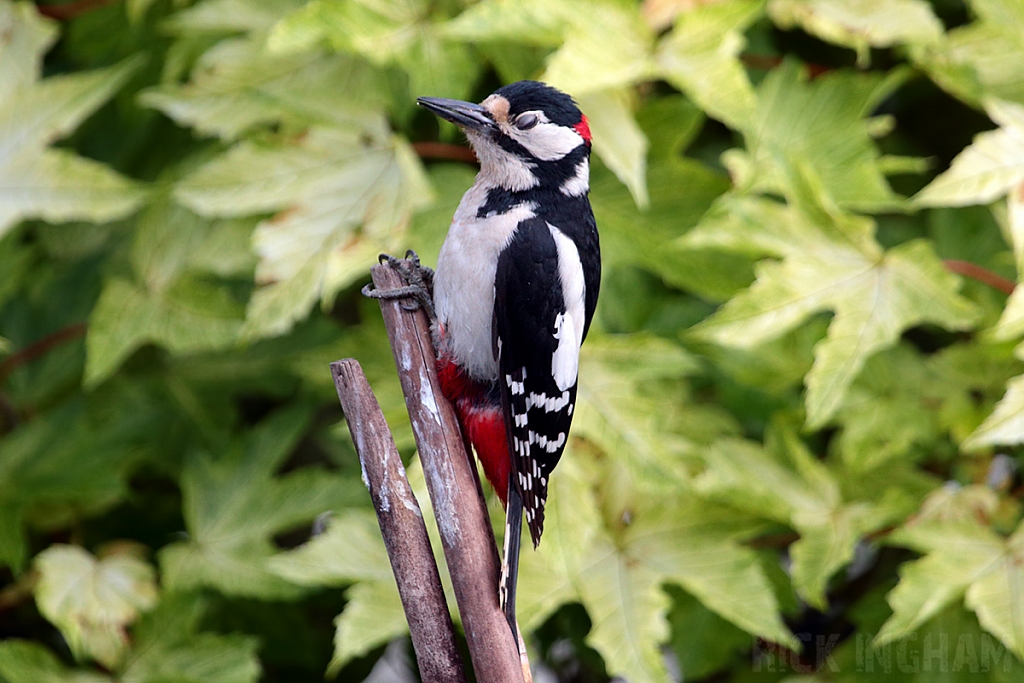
(463, 114)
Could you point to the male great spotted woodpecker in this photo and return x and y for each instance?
(514, 293)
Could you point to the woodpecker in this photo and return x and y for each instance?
(515, 289)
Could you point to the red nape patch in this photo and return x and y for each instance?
(485, 428)
(583, 128)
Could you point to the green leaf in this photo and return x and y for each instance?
(165, 304)
(373, 615)
(700, 57)
(820, 123)
(237, 85)
(607, 45)
(27, 37)
(229, 16)
(618, 140)
(989, 168)
(93, 601)
(860, 24)
(396, 34)
(327, 183)
(645, 238)
(191, 317)
(966, 560)
(604, 45)
(625, 406)
(979, 60)
(890, 409)
(615, 553)
(702, 640)
(829, 262)
(535, 22)
(170, 647)
(803, 494)
(35, 181)
(23, 661)
(704, 558)
(233, 505)
(1005, 425)
(137, 9)
(60, 459)
(350, 550)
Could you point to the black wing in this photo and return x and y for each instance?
(528, 299)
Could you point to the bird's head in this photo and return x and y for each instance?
(526, 134)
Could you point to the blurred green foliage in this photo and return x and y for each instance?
(797, 443)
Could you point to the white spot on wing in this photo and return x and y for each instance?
(569, 325)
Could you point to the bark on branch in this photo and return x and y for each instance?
(454, 488)
(401, 524)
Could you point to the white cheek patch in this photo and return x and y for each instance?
(580, 182)
(546, 141)
(568, 325)
(500, 168)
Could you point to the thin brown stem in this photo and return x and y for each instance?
(70, 10)
(982, 275)
(444, 151)
(769, 62)
(459, 506)
(401, 524)
(40, 347)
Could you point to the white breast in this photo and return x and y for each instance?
(464, 281)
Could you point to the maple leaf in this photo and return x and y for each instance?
(989, 168)
(613, 553)
(700, 57)
(234, 504)
(169, 645)
(860, 24)
(821, 124)
(23, 661)
(351, 551)
(830, 261)
(979, 60)
(963, 559)
(62, 459)
(327, 183)
(170, 301)
(35, 180)
(237, 85)
(401, 34)
(791, 487)
(93, 600)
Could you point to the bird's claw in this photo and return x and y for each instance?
(417, 293)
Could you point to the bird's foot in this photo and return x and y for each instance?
(419, 288)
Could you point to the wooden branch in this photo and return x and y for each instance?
(454, 488)
(401, 523)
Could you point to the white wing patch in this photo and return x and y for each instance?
(568, 325)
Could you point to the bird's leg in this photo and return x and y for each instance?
(419, 289)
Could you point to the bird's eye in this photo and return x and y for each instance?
(526, 121)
